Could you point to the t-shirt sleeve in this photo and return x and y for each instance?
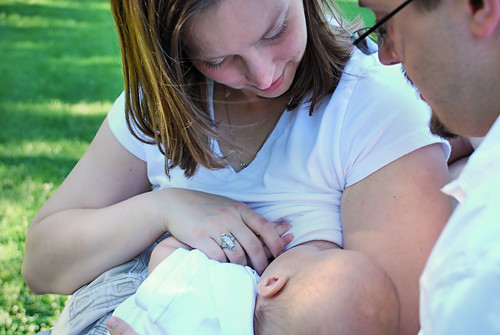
(118, 124)
(385, 119)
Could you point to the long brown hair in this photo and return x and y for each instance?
(166, 96)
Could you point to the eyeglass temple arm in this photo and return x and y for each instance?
(381, 22)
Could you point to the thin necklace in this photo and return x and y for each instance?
(242, 164)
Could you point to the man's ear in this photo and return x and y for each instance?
(485, 17)
(272, 285)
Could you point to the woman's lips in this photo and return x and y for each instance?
(275, 84)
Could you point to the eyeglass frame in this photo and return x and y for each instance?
(377, 25)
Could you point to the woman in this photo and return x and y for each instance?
(239, 113)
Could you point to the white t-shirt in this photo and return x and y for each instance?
(373, 118)
(460, 285)
(188, 293)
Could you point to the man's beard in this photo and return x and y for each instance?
(438, 128)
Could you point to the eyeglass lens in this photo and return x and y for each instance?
(367, 45)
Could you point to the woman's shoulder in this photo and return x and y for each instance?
(117, 121)
(370, 87)
(367, 72)
(371, 91)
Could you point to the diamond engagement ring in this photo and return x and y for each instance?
(227, 241)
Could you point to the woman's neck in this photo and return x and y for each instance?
(246, 121)
(252, 101)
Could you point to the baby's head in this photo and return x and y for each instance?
(311, 290)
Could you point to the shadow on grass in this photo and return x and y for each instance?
(55, 168)
(60, 69)
(56, 10)
(65, 52)
(34, 124)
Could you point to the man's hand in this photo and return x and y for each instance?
(117, 326)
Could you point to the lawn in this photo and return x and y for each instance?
(60, 69)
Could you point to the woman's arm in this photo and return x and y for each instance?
(461, 147)
(91, 223)
(395, 215)
(103, 214)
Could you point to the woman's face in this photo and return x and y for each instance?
(255, 46)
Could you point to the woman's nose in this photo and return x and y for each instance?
(260, 71)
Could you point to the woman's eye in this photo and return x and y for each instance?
(280, 33)
(215, 65)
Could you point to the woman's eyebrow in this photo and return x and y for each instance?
(282, 14)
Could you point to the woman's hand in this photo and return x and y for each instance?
(199, 219)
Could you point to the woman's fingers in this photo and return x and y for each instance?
(212, 249)
(260, 237)
(233, 249)
(240, 247)
(204, 221)
(253, 249)
(223, 248)
(271, 233)
(281, 227)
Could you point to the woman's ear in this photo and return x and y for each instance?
(485, 17)
(272, 285)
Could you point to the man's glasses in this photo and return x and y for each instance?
(369, 40)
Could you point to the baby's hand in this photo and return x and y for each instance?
(117, 326)
(164, 249)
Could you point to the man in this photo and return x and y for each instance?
(450, 50)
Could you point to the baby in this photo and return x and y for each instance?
(318, 288)
(313, 288)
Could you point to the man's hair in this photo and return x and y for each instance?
(166, 96)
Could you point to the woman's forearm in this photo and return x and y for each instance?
(70, 248)
(100, 216)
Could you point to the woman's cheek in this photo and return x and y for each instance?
(222, 75)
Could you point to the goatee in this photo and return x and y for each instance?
(439, 129)
(436, 126)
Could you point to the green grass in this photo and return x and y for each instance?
(60, 71)
(351, 11)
